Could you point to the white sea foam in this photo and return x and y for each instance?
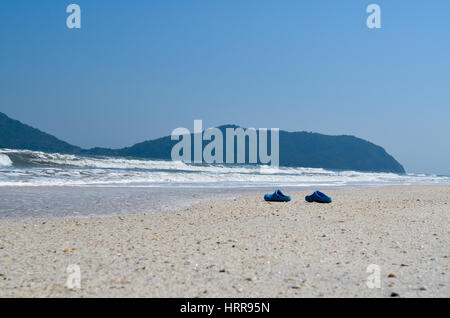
(5, 161)
(33, 168)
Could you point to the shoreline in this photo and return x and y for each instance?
(243, 247)
(59, 203)
(85, 202)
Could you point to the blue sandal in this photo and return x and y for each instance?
(277, 196)
(318, 196)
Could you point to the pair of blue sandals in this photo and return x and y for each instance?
(279, 196)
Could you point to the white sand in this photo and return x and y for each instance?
(242, 248)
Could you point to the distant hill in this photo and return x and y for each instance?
(15, 135)
(334, 152)
(297, 149)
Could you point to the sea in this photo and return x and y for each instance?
(36, 184)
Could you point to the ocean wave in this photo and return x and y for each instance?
(66, 177)
(5, 161)
(43, 159)
(34, 168)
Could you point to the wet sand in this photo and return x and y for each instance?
(242, 247)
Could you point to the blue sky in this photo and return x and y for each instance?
(138, 69)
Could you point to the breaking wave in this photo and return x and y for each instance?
(5, 161)
(35, 168)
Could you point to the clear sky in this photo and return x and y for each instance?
(138, 69)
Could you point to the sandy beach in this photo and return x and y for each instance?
(243, 247)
